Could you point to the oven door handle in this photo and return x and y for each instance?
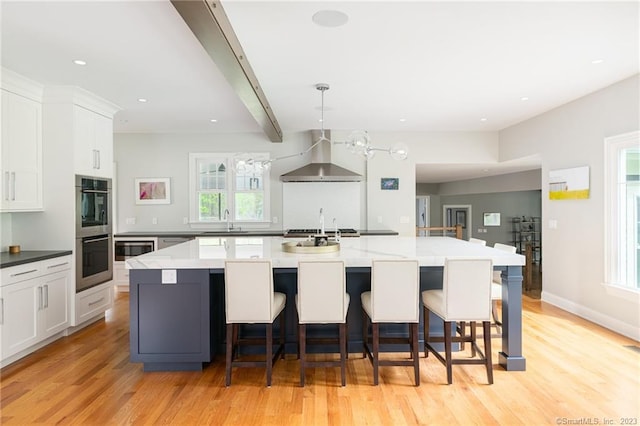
(94, 191)
(94, 240)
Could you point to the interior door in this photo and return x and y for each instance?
(458, 215)
(422, 214)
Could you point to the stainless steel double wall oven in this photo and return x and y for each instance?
(94, 237)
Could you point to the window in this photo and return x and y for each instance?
(233, 183)
(622, 203)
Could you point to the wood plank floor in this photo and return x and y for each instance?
(575, 370)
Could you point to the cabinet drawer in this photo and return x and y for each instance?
(93, 303)
(57, 264)
(19, 273)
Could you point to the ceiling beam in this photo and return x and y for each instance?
(210, 24)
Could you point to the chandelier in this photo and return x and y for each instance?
(358, 142)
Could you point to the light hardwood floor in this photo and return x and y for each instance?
(576, 371)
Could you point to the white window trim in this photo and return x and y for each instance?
(612, 147)
(194, 220)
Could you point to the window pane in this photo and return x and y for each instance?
(211, 205)
(249, 206)
(248, 182)
(212, 174)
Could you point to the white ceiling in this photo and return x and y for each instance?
(441, 66)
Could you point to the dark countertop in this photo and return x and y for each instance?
(7, 259)
(249, 233)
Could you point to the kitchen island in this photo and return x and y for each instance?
(177, 294)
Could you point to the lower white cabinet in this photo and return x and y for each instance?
(34, 303)
(93, 302)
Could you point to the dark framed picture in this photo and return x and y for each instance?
(389, 183)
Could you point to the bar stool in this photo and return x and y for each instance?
(249, 299)
(465, 296)
(395, 287)
(477, 241)
(322, 299)
(496, 286)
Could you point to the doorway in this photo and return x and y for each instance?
(422, 214)
(458, 214)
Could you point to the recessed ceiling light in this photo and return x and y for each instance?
(483, 119)
(213, 120)
(79, 62)
(320, 120)
(597, 61)
(485, 170)
(402, 120)
(524, 98)
(143, 100)
(330, 18)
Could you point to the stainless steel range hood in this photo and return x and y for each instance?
(321, 169)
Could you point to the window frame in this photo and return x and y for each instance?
(614, 238)
(230, 190)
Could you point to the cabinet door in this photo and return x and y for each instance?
(84, 140)
(20, 309)
(93, 136)
(21, 153)
(104, 146)
(55, 312)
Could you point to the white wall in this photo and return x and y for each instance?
(167, 155)
(5, 231)
(523, 181)
(573, 262)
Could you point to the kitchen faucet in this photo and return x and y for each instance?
(227, 217)
(321, 232)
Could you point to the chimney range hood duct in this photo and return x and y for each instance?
(321, 169)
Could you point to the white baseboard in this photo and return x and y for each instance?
(599, 318)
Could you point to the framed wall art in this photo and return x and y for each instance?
(389, 183)
(153, 191)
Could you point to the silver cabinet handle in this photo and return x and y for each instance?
(7, 184)
(13, 186)
(46, 295)
(57, 265)
(24, 273)
(97, 301)
(40, 304)
(1, 311)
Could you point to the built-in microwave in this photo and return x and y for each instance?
(93, 206)
(127, 249)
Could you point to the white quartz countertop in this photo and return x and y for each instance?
(211, 252)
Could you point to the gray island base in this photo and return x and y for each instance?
(177, 306)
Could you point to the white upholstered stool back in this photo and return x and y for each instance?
(395, 291)
(322, 294)
(249, 295)
(477, 241)
(466, 290)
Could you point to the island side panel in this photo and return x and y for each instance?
(170, 323)
(511, 357)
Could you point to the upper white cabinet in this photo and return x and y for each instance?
(93, 143)
(21, 153)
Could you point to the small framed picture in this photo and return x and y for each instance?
(153, 191)
(389, 183)
(491, 219)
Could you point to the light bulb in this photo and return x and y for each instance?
(399, 151)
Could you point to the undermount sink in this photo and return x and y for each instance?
(310, 247)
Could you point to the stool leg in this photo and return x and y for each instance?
(487, 350)
(414, 352)
(473, 338)
(229, 353)
(269, 353)
(426, 331)
(282, 333)
(365, 331)
(494, 314)
(376, 349)
(447, 350)
(343, 353)
(302, 342)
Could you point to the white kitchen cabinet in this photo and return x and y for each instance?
(34, 303)
(93, 139)
(21, 153)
